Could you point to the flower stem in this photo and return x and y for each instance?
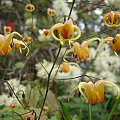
(48, 81)
(71, 9)
(90, 111)
(113, 109)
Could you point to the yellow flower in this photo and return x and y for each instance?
(7, 42)
(114, 43)
(81, 51)
(66, 32)
(111, 19)
(28, 116)
(95, 92)
(51, 12)
(7, 29)
(30, 7)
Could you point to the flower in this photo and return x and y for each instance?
(7, 42)
(30, 7)
(111, 19)
(69, 70)
(114, 43)
(7, 29)
(66, 32)
(28, 116)
(51, 12)
(13, 106)
(65, 67)
(27, 39)
(81, 51)
(46, 32)
(95, 92)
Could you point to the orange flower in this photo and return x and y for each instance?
(28, 116)
(95, 92)
(111, 19)
(7, 29)
(51, 12)
(30, 7)
(114, 43)
(81, 51)
(66, 32)
(7, 42)
(65, 67)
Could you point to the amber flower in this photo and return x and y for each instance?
(114, 43)
(81, 51)
(7, 42)
(30, 7)
(66, 32)
(66, 66)
(7, 29)
(111, 19)
(51, 12)
(95, 92)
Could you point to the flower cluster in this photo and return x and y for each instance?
(7, 42)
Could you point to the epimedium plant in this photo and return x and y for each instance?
(67, 33)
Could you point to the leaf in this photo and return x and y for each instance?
(34, 97)
(66, 114)
(19, 65)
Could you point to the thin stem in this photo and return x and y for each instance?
(49, 81)
(59, 64)
(90, 77)
(71, 9)
(113, 109)
(90, 111)
(11, 89)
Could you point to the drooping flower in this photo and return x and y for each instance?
(30, 7)
(28, 116)
(13, 105)
(46, 32)
(114, 43)
(7, 42)
(81, 51)
(27, 39)
(95, 92)
(65, 67)
(7, 29)
(51, 12)
(111, 19)
(66, 32)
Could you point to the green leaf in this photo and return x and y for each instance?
(66, 114)
(19, 65)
